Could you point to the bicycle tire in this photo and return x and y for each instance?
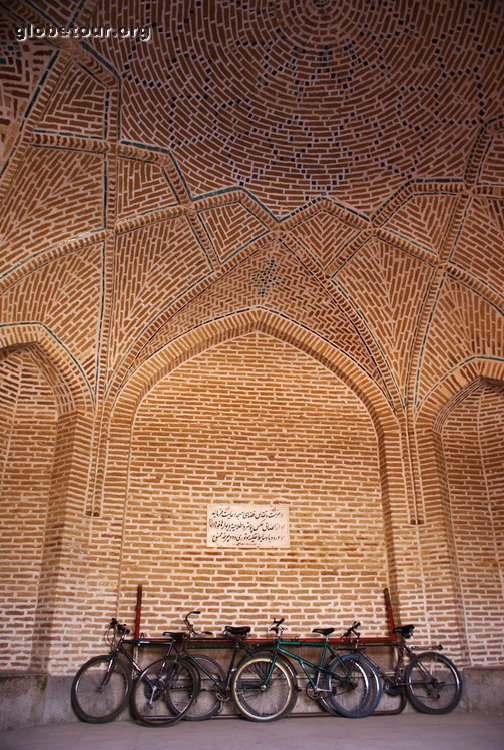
(207, 702)
(100, 689)
(255, 699)
(433, 683)
(356, 689)
(164, 692)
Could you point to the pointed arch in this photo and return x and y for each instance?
(236, 324)
(116, 460)
(70, 386)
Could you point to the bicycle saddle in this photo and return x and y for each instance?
(235, 632)
(405, 630)
(323, 631)
(174, 636)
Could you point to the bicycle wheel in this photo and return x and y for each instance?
(433, 683)
(164, 692)
(207, 702)
(262, 693)
(353, 687)
(100, 689)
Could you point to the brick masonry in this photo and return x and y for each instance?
(255, 259)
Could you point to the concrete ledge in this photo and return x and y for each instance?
(34, 699)
(484, 689)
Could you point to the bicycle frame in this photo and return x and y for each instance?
(238, 640)
(394, 683)
(282, 646)
(223, 685)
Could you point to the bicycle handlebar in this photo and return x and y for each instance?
(119, 627)
(277, 626)
(190, 626)
(352, 629)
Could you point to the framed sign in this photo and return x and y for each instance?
(247, 525)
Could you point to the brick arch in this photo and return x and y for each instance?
(123, 411)
(473, 453)
(71, 390)
(436, 536)
(227, 327)
(453, 388)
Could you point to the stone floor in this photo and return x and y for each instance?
(410, 731)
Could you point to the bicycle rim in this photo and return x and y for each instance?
(433, 683)
(354, 688)
(206, 703)
(164, 692)
(259, 697)
(100, 689)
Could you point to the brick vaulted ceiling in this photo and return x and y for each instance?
(356, 146)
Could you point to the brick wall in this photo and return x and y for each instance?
(473, 445)
(28, 416)
(255, 420)
(248, 276)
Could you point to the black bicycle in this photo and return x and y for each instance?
(103, 686)
(215, 682)
(429, 679)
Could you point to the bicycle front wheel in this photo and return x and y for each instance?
(164, 692)
(100, 689)
(263, 691)
(212, 679)
(433, 683)
(353, 686)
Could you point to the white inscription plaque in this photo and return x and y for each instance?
(247, 525)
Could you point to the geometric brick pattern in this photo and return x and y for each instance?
(141, 186)
(322, 98)
(154, 266)
(260, 256)
(21, 68)
(48, 295)
(231, 228)
(47, 180)
(492, 171)
(423, 219)
(479, 246)
(77, 105)
(374, 278)
(473, 327)
(325, 236)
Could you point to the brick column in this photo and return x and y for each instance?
(64, 558)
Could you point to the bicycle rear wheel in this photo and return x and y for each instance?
(262, 692)
(164, 692)
(100, 689)
(433, 683)
(353, 687)
(212, 677)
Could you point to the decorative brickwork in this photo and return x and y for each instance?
(257, 257)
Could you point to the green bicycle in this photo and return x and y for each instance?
(265, 686)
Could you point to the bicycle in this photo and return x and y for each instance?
(102, 686)
(265, 688)
(430, 680)
(215, 682)
(166, 689)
